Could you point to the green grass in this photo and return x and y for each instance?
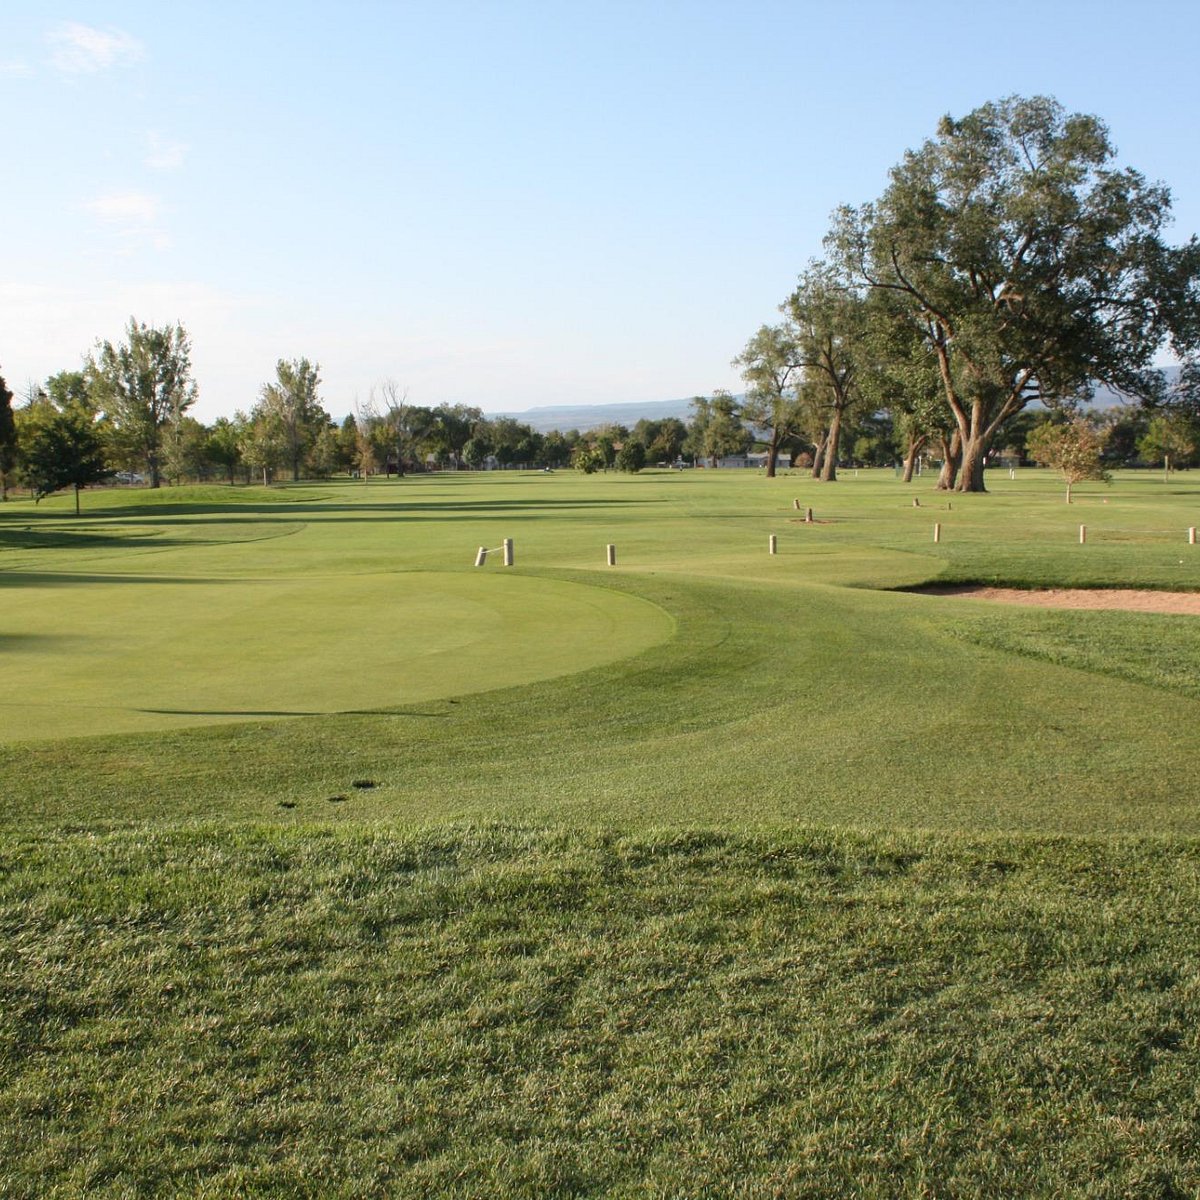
(497, 1011)
(710, 873)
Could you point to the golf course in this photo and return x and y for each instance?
(332, 864)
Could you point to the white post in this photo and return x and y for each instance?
(508, 554)
(937, 531)
(481, 557)
(771, 545)
(796, 504)
(916, 502)
(1082, 534)
(808, 520)
(611, 553)
(1192, 535)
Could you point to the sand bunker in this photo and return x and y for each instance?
(1125, 599)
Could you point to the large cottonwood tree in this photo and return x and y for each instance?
(1033, 266)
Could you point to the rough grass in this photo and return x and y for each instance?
(498, 1011)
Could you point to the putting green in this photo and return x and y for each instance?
(104, 654)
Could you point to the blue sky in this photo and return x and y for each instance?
(506, 204)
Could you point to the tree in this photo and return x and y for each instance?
(8, 439)
(716, 429)
(185, 446)
(455, 424)
(1072, 448)
(62, 448)
(771, 366)
(223, 447)
(143, 384)
(588, 458)
(291, 402)
(831, 322)
(1169, 436)
(347, 444)
(1031, 265)
(263, 443)
(390, 401)
(631, 457)
(663, 439)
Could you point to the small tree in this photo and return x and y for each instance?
(588, 459)
(1073, 449)
(63, 448)
(631, 457)
(1169, 436)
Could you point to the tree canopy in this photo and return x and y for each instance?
(1030, 265)
(142, 384)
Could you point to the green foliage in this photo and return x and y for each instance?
(589, 459)
(631, 458)
(1073, 448)
(1170, 438)
(289, 415)
(62, 448)
(143, 384)
(716, 430)
(992, 238)
(8, 439)
(771, 366)
(830, 320)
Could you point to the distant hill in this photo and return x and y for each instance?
(587, 416)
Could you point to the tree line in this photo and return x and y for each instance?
(1009, 263)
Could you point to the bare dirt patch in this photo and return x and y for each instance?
(1123, 599)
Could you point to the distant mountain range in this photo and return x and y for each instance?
(588, 416)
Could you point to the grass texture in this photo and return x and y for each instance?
(498, 1011)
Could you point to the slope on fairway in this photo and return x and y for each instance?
(108, 654)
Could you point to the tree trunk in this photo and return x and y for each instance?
(77, 499)
(915, 446)
(771, 450)
(1068, 491)
(970, 471)
(818, 458)
(829, 469)
(951, 453)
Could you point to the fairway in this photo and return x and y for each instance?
(332, 864)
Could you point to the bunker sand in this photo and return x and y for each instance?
(1121, 599)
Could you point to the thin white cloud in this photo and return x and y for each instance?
(14, 69)
(164, 154)
(136, 217)
(82, 50)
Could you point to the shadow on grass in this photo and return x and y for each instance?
(286, 712)
(65, 579)
(201, 512)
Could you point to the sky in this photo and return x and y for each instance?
(505, 204)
